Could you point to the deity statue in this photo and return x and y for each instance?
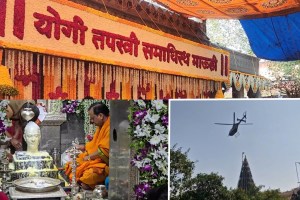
(33, 162)
(32, 136)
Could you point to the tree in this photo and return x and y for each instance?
(206, 187)
(287, 77)
(238, 194)
(255, 193)
(181, 169)
(229, 34)
(185, 187)
(295, 195)
(271, 195)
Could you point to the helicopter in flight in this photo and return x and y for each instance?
(235, 125)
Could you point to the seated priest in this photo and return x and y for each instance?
(92, 164)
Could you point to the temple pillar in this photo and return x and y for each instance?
(122, 176)
(50, 127)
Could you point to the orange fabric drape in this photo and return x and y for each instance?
(228, 9)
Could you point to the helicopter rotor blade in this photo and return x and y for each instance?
(223, 124)
(233, 117)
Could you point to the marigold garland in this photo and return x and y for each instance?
(6, 85)
(128, 83)
(7, 90)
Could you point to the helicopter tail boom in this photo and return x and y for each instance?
(243, 118)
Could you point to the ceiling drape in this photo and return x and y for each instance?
(274, 38)
(272, 26)
(232, 9)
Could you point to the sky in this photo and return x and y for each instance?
(271, 144)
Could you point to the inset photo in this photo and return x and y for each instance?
(234, 149)
(84, 149)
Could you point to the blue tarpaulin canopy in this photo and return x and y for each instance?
(272, 26)
(274, 38)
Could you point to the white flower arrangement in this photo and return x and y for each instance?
(149, 134)
(5, 123)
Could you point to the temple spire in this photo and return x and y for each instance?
(246, 180)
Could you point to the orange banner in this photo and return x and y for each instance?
(66, 29)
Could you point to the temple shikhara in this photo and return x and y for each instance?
(245, 182)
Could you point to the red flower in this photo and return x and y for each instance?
(89, 137)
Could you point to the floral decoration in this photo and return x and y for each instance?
(70, 106)
(149, 134)
(26, 79)
(89, 137)
(19, 22)
(8, 90)
(4, 122)
(58, 94)
(88, 128)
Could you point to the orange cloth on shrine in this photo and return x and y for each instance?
(93, 172)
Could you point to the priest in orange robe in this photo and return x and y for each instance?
(93, 166)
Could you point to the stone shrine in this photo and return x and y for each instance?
(33, 163)
(30, 165)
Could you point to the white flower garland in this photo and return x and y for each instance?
(149, 133)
